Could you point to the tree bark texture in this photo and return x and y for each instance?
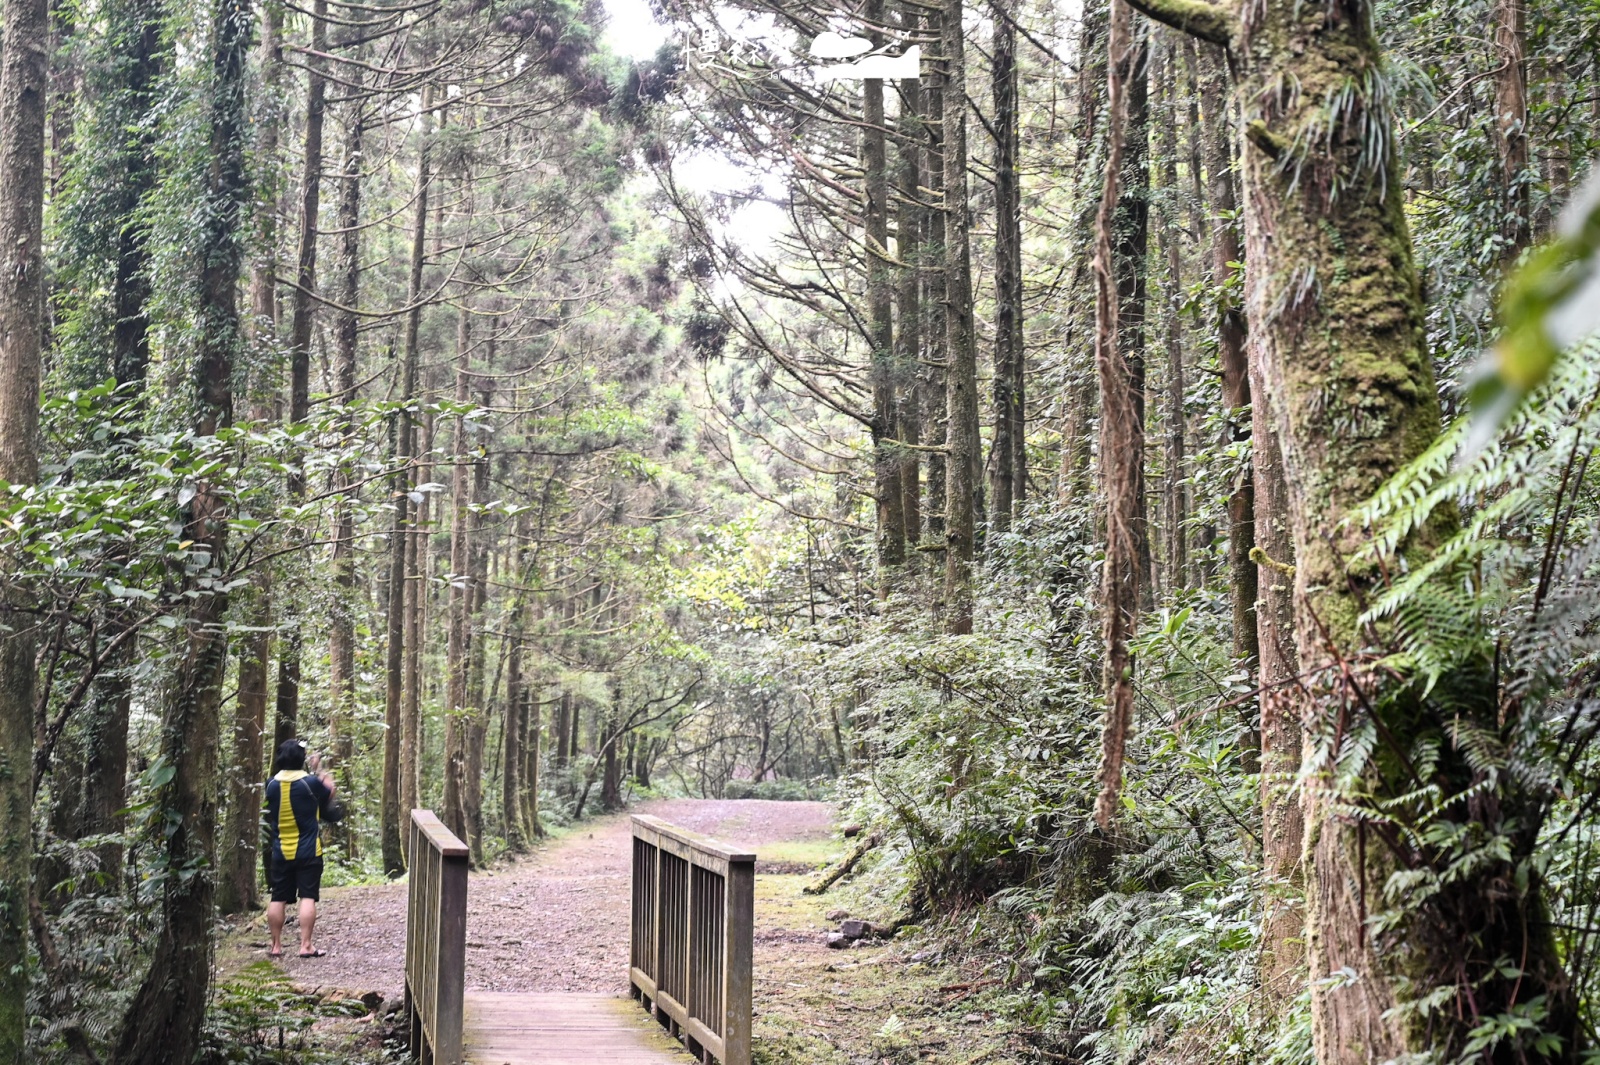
(1175, 503)
(395, 721)
(1008, 461)
(23, 94)
(1336, 311)
(910, 221)
(1121, 426)
(457, 646)
(880, 316)
(1226, 251)
(163, 1021)
(961, 374)
(341, 622)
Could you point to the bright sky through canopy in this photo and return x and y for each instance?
(631, 31)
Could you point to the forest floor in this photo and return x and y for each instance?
(557, 920)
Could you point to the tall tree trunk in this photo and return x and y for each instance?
(1131, 232)
(1318, 200)
(163, 1021)
(880, 316)
(105, 726)
(341, 619)
(961, 375)
(563, 726)
(1174, 498)
(611, 784)
(1282, 822)
(1510, 18)
(1121, 424)
(477, 722)
(531, 734)
(393, 853)
(518, 705)
(419, 583)
(910, 220)
(1007, 470)
(1226, 252)
(302, 309)
(238, 884)
(931, 384)
(23, 91)
(457, 647)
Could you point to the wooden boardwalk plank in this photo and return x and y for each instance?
(563, 1029)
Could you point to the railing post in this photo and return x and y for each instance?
(739, 897)
(436, 939)
(705, 938)
(452, 958)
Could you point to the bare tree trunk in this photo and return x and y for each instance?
(931, 385)
(23, 93)
(1510, 18)
(961, 375)
(910, 220)
(880, 317)
(457, 648)
(1008, 468)
(1282, 822)
(419, 584)
(1121, 428)
(393, 770)
(302, 306)
(1226, 251)
(477, 722)
(530, 772)
(162, 1024)
(563, 722)
(238, 885)
(341, 620)
(1174, 498)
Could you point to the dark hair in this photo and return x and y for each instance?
(291, 755)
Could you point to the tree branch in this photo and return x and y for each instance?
(1207, 21)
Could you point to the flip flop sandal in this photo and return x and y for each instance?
(275, 954)
(314, 954)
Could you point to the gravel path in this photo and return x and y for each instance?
(556, 921)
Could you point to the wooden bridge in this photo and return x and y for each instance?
(689, 966)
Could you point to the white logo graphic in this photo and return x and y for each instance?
(870, 64)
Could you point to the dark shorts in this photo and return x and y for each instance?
(302, 878)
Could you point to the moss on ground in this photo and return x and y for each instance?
(907, 1000)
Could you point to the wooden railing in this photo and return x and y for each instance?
(436, 939)
(693, 910)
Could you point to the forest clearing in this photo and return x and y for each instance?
(1097, 495)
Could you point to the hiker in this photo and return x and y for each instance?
(297, 802)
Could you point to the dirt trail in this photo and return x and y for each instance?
(556, 921)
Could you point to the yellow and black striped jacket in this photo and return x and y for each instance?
(294, 827)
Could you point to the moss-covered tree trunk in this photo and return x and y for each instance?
(23, 88)
(1336, 317)
(162, 1024)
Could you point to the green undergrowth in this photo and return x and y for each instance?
(258, 1017)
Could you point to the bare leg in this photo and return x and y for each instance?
(308, 921)
(275, 923)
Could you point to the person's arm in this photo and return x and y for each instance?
(329, 808)
(268, 822)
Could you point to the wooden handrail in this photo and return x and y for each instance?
(693, 916)
(436, 939)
